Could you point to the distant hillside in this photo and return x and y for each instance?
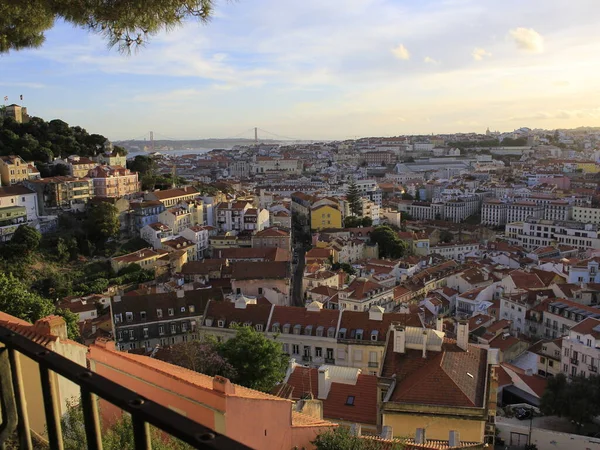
(196, 143)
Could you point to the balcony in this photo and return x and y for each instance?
(306, 358)
(593, 369)
(373, 364)
(575, 361)
(329, 361)
(14, 418)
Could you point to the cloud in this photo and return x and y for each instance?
(429, 60)
(479, 54)
(527, 39)
(401, 52)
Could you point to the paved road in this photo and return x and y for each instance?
(297, 298)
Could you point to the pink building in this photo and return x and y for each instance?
(559, 182)
(114, 181)
(253, 418)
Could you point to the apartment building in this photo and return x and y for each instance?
(494, 213)
(114, 181)
(523, 210)
(558, 210)
(457, 252)
(272, 237)
(581, 349)
(112, 158)
(198, 234)
(543, 233)
(325, 216)
(268, 164)
(80, 166)
(363, 293)
(56, 194)
(146, 258)
(379, 158)
(586, 214)
(144, 321)
(171, 197)
(313, 335)
(560, 315)
(13, 170)
(431, 384)
(144, 213)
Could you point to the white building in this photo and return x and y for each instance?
(494, 213)
(199, 235)
(586, 214)
(581, 349)
(542, 233)
(585, 272)
(521, 211)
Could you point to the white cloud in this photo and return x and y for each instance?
(527, 39)
(401, 52)
(429, 60)
(480, 53)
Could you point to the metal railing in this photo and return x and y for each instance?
(144, 412)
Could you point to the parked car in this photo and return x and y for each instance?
(522, 413)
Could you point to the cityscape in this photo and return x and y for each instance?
(282, 290)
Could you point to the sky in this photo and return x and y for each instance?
(326, 69)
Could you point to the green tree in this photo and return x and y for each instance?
(127, 23)
(446, 236)
(18, 301)
(27, 238)
(353, 198)
(390, 244)
(103, 222)
(258, 361)
(352, 222)
(143, 165)
(201, 356)
(578, 400)
(341, 438)
(407, 196)
(118, 437)
(366, 222)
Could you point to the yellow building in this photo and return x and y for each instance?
(13, 169)
(325, 216)
(433, 385)
(588, 167)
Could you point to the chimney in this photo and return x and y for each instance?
(106, 344)
(387, 432)
(454, 439)
(52, 326)
(439, 324)
(399, 339)
(420, 436)
(462, 335)
(356, 429)
(180, 293)
(324, 383)
(376, 313)
(223, 385)
(424, 343)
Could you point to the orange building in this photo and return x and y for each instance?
(253, 418)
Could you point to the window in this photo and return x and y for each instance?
(183, 309)
(258, 327)
(145, 332)
(331, 332)
(173, 328)
(260, 291)
(120, 335)
(295, 349)
(129, 317)
(220, 323)
(171, 312)
(308, 330)
(286, 348)
(318, 352)
(159, 313)
(357, 355)
(183, 327)
(192, 308)
(238, 291)
(297, 329)
(161, 329)
(342, 333)
(286, 328)
(359, 334)
(118, 318)
(143, 315)
(329, 353)
(307, 351)
(319, 331)
(589, 342)
(350, 400)
(131, 335)
(275, 328)
(542, 360)
(374, 335)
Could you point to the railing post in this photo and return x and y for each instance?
(51, 408)
(8, 408)
(141, 433)
(20, 401)
(91, 420)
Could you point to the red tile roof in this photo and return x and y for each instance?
(589, 326)
(255, 270)
(364, 408)
(228, 313)
(293, 316)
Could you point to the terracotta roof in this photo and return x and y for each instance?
(9, 191)
(309, 321)
(318, 253)
(273, 232)
(359, 320)
(360, 288)
(304, 380)
(150, 303)
(253, 270)
(323, 290)
(203, 267)
(173, 193)
(589, 326)
(228, 313)
(524, 280)
(452, 377)
(139, 255)
(265, 253)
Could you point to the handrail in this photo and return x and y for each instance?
(142, 410)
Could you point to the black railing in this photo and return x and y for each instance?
(143, 412)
